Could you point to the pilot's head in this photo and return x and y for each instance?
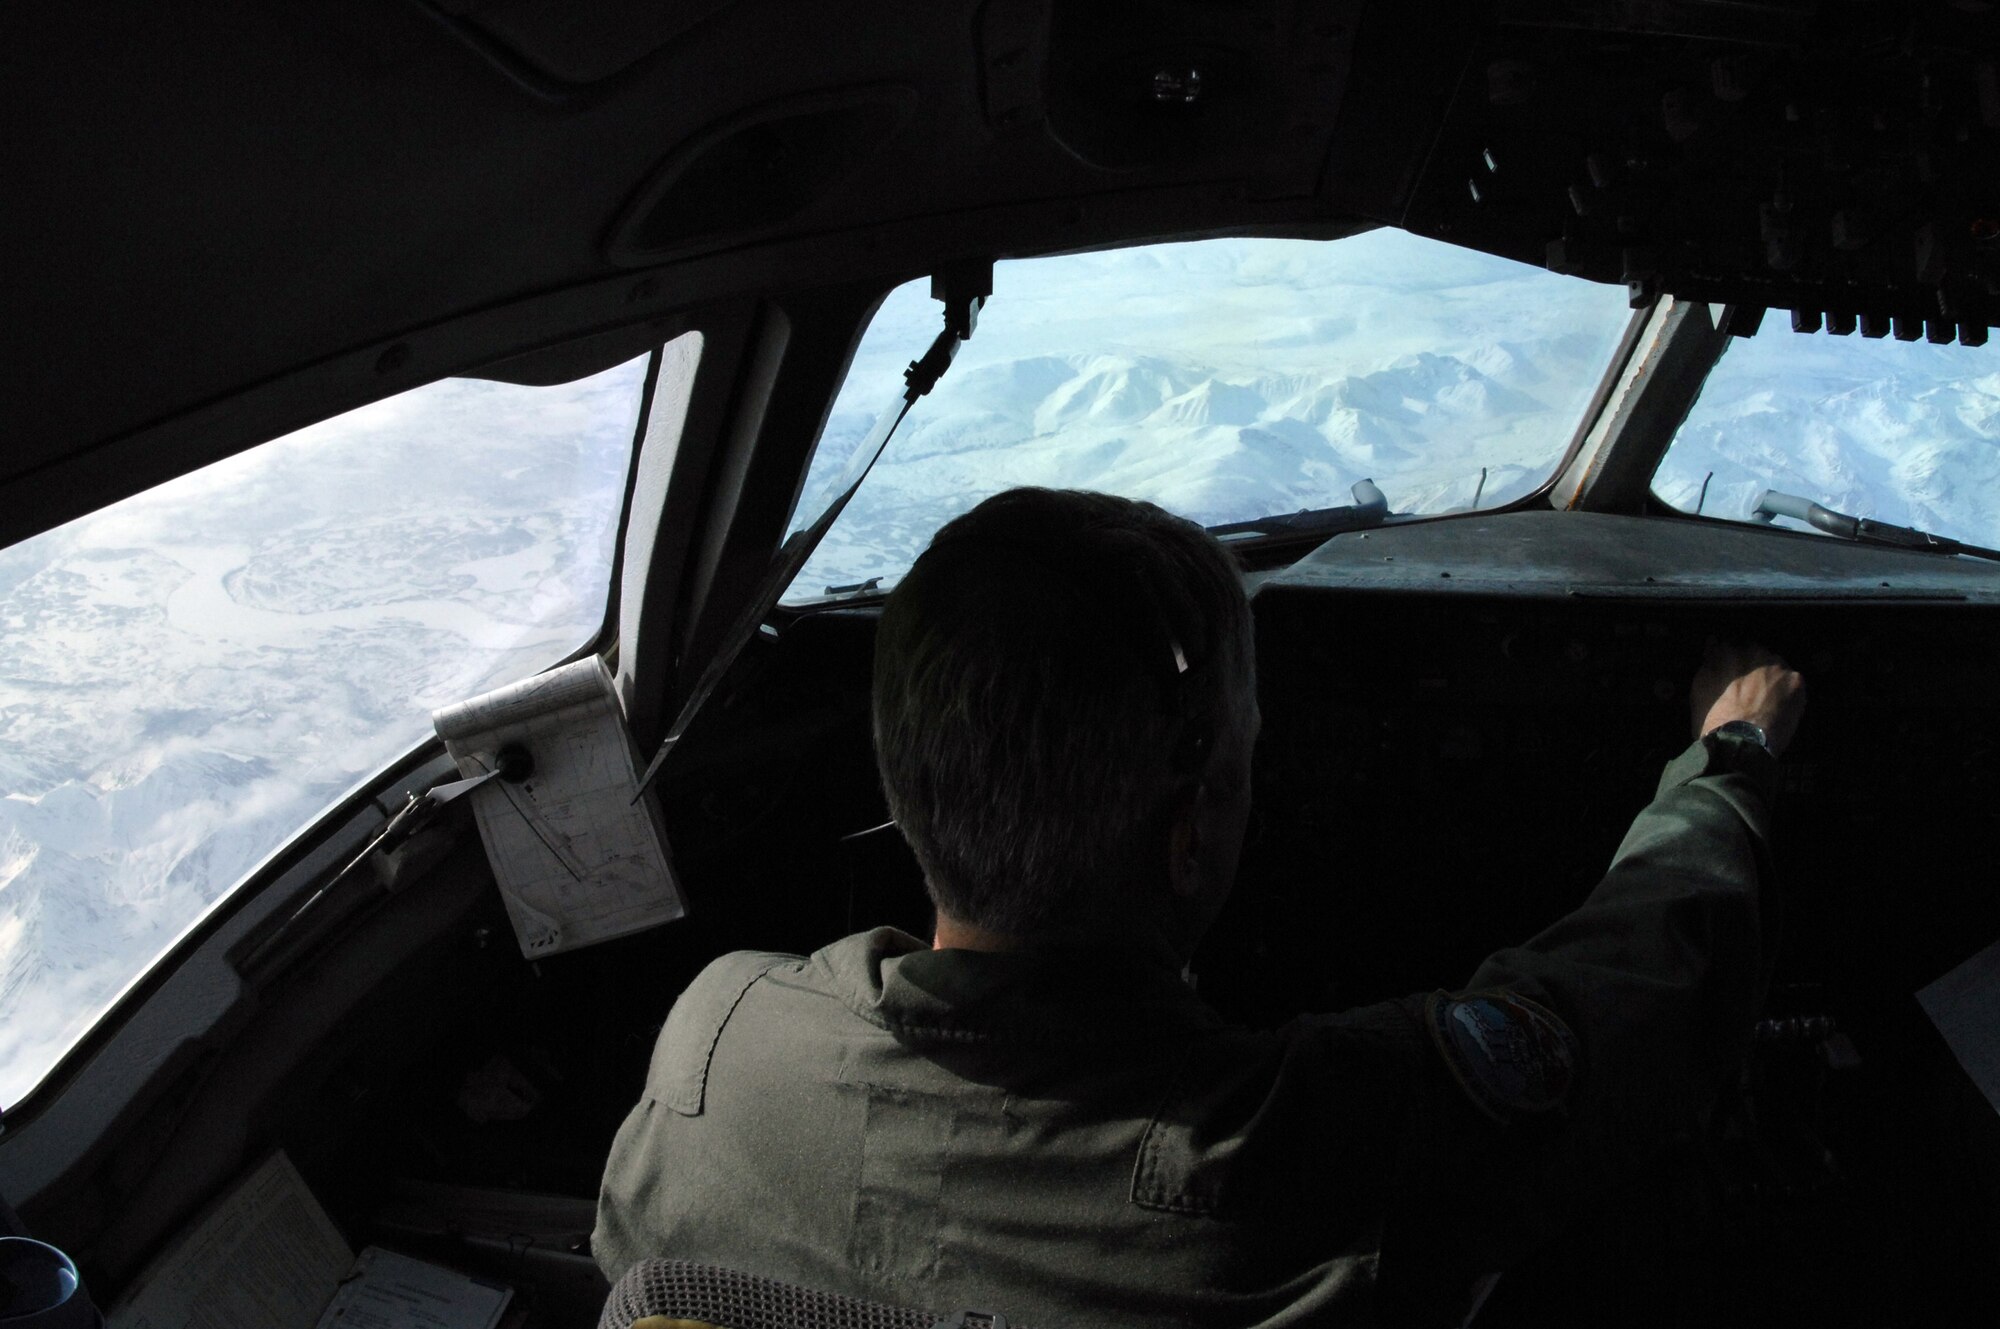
(1065, 704)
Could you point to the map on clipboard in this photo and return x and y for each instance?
(578, 861)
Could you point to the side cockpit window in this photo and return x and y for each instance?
(191, 676)
(1906, 432)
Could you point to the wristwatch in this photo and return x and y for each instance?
(1743, 747)
(1742, 729)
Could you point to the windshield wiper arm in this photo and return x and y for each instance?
(1369, 508)
(1865, 529)
(964, 288)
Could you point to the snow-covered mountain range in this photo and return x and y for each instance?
(1223, 380)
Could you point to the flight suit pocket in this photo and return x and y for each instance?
(1235, 1124)
(1192, 1142)
(895, 1232)
(678, 1077)
(1172, 1175)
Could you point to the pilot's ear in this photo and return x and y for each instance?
(1184, 844)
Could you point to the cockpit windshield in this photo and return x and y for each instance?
(1225, 380)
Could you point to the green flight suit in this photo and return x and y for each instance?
(1073, 1138)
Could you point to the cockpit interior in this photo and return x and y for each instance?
(1743, 258)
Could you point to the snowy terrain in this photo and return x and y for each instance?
(1903, 431)
(1239, 378)
(1223, 380)
(189, 677)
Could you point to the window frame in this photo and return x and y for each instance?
(294, 869)
(1269, 550)
(1733, 322)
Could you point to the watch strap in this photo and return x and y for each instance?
(1731, 750)
(1744, 729)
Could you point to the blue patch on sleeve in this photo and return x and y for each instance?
(1511, 1056)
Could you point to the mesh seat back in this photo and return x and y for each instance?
(731, 1299)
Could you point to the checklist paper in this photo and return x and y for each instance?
(385, 1290)
(1965, 1007)
(577, 857)
(265, 1253)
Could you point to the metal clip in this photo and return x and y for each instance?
(973, 1320)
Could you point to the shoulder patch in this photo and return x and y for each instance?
(1511, 1056)
(678, 1077)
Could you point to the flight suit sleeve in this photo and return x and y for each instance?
(1659, 973)
(1569, 1059)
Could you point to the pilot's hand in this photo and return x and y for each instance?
(1739, 682)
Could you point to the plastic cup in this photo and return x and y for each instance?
(40, 1288)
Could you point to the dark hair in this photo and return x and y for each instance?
(1052, 671)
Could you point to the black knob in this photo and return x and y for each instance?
(514, 763)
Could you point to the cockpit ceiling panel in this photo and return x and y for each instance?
(210, 201)
(561, 48)
(1837, 159)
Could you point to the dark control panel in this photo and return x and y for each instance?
(1440, 776)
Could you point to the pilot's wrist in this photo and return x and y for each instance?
(1742, 747)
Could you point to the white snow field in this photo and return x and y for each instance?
(190, 677)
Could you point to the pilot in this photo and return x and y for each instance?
(1035, 1113)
